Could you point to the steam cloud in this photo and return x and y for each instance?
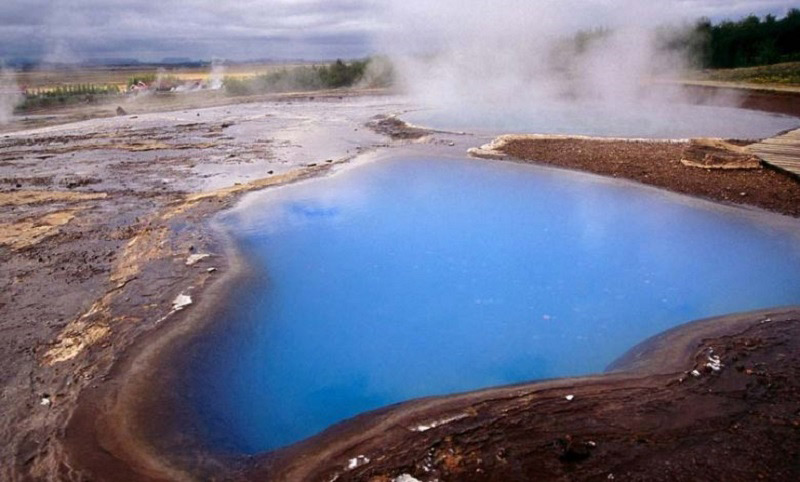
(10, 95)
(515, 55)
(217, 77)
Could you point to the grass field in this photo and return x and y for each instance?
(50, 79)
(779, 74)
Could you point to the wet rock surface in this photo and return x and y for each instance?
(396, 128)
(97, 220)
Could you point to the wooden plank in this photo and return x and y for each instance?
(777, 150)
(778, 142)
(778, 147)
(777, 162)
(779, 153)
(788, 167)
(782, 152)
(775, 147)
(775, 159)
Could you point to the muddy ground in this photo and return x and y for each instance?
(659, 164)
(103, 228)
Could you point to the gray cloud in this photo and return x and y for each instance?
(70, 30)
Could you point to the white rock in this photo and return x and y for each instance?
(196, 258)
(45, 402)
(405, 478)
(695, 373)
(570, 397)
(181, 302)
(356, 462)
(714, 363)
(437, 423)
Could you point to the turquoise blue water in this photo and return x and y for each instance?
(415, 277)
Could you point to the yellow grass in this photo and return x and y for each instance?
(51, 79)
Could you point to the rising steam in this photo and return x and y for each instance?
(10, 95)
(538, 54)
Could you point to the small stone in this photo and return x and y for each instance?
(570, 397)
(181, 302)
(211, 270)
(121, 111)
(196, 258)
(45, 401)
(695, 373)
(356, 462)
(405, 478)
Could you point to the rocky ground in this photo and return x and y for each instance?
(657, 164)
(98, 223)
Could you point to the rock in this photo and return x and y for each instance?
(405, 478)
(196, 258)
(718, 154)
(484, 153)
(121, 111)
(181, 302)
(356, 462)
(574, 451)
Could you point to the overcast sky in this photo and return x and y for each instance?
(150, 30)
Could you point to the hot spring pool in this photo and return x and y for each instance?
(658, 121)
(413, 277)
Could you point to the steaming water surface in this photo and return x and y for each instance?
(415, 277)
(657, 121)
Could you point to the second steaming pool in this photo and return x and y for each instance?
(412, 277)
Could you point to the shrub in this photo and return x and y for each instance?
(334, 76)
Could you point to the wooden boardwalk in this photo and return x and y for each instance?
(782, 151)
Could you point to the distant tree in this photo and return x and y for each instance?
(750, 41)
